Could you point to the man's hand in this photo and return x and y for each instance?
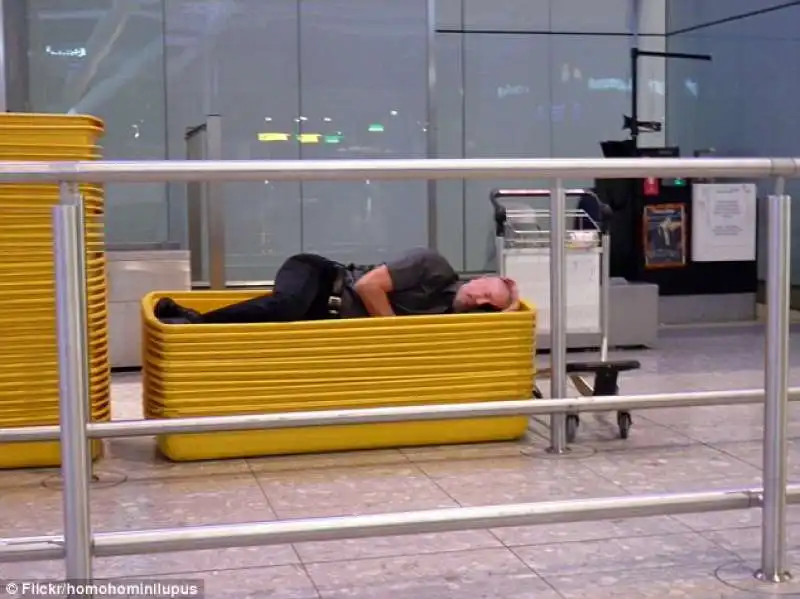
(374, 289)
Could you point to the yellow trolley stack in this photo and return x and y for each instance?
(28, 344)
(216, 370)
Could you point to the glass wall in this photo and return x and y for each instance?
(533, 79)
(106, 57)
(317, 79)
(342, 79)
(743, 103)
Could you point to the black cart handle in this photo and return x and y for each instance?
(500, 215)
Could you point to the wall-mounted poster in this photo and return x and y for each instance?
(664, 236)
(724, 222)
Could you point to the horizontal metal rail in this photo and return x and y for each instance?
(348, 170)
(528, 407)
(252, 534)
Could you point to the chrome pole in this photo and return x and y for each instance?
(159, 171)
(71, 306)
(215, 209)
(120, 429)
(558, 325)
(605, 295)
(251, 534)
(776, 374)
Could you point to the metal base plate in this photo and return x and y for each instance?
(740, 576)
(101, 479)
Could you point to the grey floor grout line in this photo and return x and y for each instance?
(273, 510)
(536, 572)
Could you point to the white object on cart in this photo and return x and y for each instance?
(523, 254)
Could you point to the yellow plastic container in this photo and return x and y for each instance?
(281, 367)
(29, 390)
(93, 206)
(43, 454)
(46, 189)
(55, 121)
(73, 135)
(51, 152)
(12, 417)
(99, 395)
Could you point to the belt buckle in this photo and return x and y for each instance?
(334, 305)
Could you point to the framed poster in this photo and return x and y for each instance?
(724, 222)
(664, 236)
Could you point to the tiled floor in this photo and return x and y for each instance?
(693, 556)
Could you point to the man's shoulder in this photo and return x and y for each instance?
(423, 254)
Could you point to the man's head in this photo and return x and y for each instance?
(497, 293)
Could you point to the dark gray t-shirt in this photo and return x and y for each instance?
(423, 282)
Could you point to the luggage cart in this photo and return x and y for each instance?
(522, 234)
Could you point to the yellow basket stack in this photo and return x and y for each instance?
(215, 370)
(28, 344)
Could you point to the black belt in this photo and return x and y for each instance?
(337, 290)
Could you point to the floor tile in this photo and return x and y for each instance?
(585, 531)
(480, 574)
(345, 459)
(36, 511)
(365, 490)
(351, 491)
(211, 493)
(733, 519)
(467, 452)
(751, 452)
(675, 469)
(276, 582)
(746, 542)
(517, 480)
(698, 582)
(410, 545)
(600, 432)
(595, 557)
(47, 570)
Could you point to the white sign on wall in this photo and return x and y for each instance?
(724, 222)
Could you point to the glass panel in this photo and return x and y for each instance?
(683, 14)
(450, 144)
(239, 59)
(364, 95)
(507, 15)
(591, 93)
(508, 113)
(598, 16)
(449, 14)
(742, 103)
(106, 59)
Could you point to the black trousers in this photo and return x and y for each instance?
(303, 286)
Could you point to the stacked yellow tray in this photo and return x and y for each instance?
(28, 345)
(214, 370)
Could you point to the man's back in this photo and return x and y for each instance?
(423, 282)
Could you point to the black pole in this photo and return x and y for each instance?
(635, 55)
(635, 97)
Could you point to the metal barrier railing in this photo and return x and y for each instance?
(78, 545)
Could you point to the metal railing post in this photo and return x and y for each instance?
(605, 295)
(776, 374)
(73, 361)
(215, 209)
(558, 325)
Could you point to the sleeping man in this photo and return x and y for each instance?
(311, 287)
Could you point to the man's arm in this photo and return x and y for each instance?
(416, 268)
(374, 289)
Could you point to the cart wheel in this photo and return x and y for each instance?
(572, 424)
(537, 394)
(625, 422)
